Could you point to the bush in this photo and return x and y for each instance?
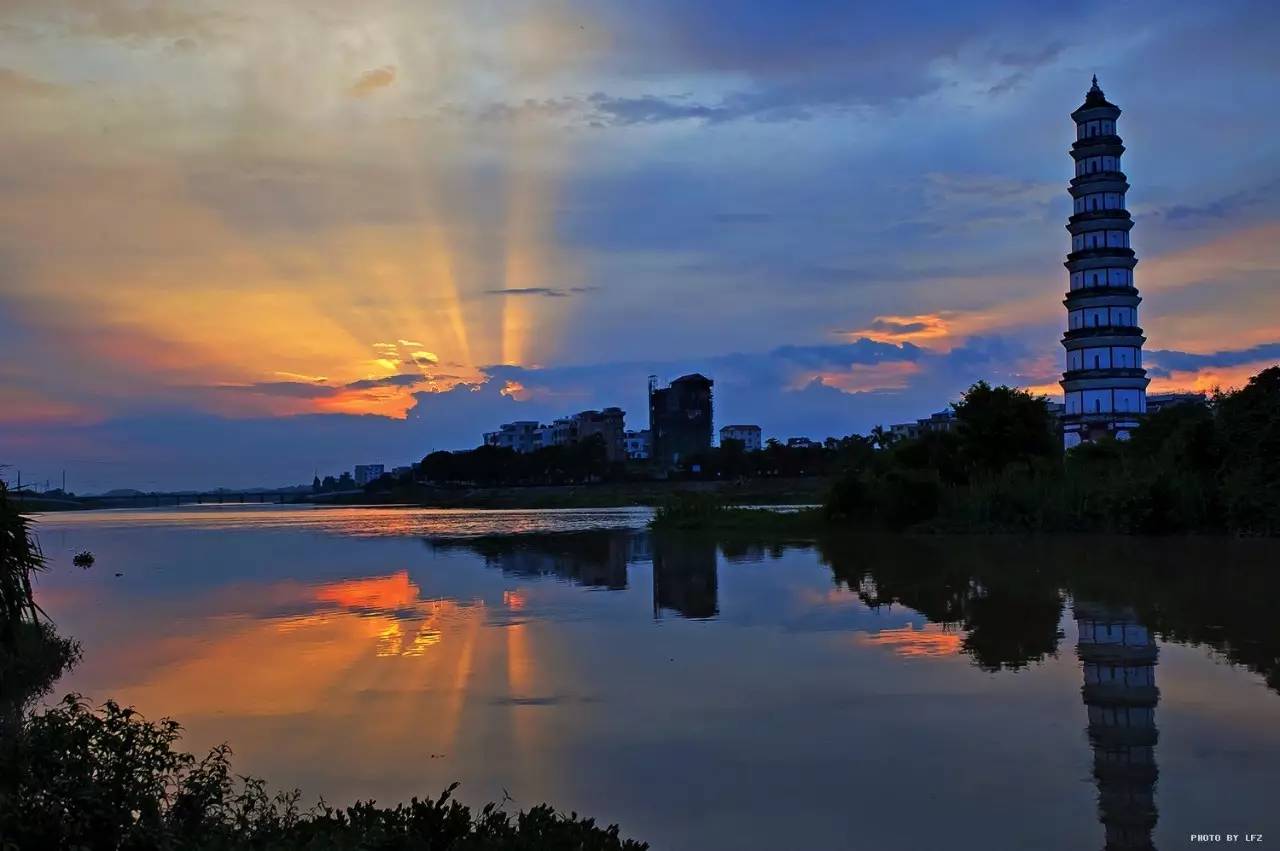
(79, 777)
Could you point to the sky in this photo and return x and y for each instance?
(245, 242)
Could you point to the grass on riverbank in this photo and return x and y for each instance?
(707, 511)
(772, 491)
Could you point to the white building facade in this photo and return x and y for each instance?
(1104, 385)
(522, 436)
(748, 434)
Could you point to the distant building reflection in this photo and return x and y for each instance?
(684, 576)
(1119, 656)
(684, 566)
(591, 559)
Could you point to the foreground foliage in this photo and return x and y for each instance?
(106, 778)
(20, 558)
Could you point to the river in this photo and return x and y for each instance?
(702, 692)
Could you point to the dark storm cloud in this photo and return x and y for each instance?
(287, 389)
(1161, 363)
(408, 379)
(321, 389)
(546, 292)
(1263, 198)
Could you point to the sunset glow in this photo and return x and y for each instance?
(414, 222)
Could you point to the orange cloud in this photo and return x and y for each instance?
(945, 329)
(1245, 262)
(210, 230)
(918, 328)
(18, 405)
(863, 377)
(1208, 379)
(371, 81)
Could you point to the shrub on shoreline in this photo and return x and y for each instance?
(106, 778)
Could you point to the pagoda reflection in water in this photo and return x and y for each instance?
(1119, 656)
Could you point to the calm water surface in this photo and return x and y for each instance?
(703, 693)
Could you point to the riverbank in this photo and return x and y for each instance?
(790, 491)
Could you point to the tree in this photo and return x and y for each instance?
(1249, 423)
(881, 438)
(1000, 426)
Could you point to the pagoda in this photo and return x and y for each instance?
(1104, 384)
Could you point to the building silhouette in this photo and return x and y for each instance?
(680, 418)
(1104, 384)
(606, 424)
(1118, 656)
(530, 435)
(638, 444)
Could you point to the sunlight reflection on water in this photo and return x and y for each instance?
(361, 521)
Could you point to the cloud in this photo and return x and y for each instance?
(410, 379)
(16, 83)
(125, 21)
(1232, 206)
(373, 80)
(651, 109)
(547, 292)
(1161, 362)
(914, 329)
(867, 378)
(288, 389)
